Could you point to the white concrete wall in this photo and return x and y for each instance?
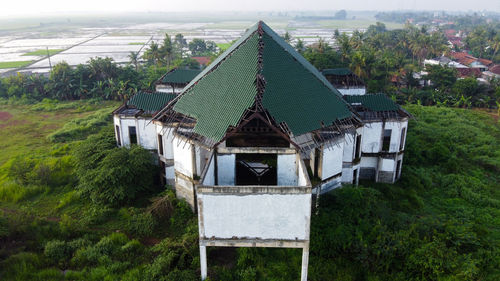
(369, 162)
(125, 123)
(387, 165)
(170, 174)
(302, 173)
(349, 147)
(147, 134)
(183, 157)
(332, 159)
(347, 174)
(226, 169)
(116, 122)
(371, 141)
(287, 170)
(209, 178)
(353, 91)
(201, 157)
(167, 137)
(263, 216)
(396, 128)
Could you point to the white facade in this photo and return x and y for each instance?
(144, 128)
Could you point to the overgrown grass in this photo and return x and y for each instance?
(441, 221)
(43, 52)
(80, 128)
(14, 64)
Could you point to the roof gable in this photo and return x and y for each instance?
(293, 91)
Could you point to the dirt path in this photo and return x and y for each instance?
(4, 116)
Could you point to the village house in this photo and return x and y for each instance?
(251, 138)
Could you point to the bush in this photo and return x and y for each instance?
(113, 176)
(58, 252)
(141, 224)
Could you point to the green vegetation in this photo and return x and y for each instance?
(43, 52)
(136, 43)
(14, 64)
(223, 46)
(75, 207)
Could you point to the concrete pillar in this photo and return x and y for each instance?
(305, 262)
(203, 262)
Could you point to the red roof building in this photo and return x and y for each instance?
(468, 72)
(202, 60)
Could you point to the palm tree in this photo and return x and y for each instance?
(344, 45)
(134, 59)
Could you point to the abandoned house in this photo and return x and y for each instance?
(251, 138)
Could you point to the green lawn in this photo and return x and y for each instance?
(43, 52)
(136, 43)
(27, 129)
(14, 64)
(223, 46)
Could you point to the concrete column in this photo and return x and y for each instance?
(305, 262)
(203, 262)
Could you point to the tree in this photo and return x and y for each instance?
(166, 51)
(299, 46)
(442, 77)
(180, 43)
(197, 47)
(340, 15)
(152, 55)
(287, 37)
(61, 81)
(134, 59)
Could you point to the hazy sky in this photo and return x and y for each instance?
(19, 7)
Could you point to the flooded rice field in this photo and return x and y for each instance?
(84, 43)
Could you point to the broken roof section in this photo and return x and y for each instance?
(150, 103)
(261, 66)
(179, 76)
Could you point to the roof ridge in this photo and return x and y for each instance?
(298, 57)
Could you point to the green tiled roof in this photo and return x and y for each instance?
(150, 102)
(180, 76)
(373, 102)
(219, 99)
(337, 71)
(295, 91)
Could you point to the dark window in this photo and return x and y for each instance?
(354, 176)
(256, 169)
(358, 147)
(118, 138)
(132, 134)
(386, 142)
(316, 162)
(403, 135)
(160, 144)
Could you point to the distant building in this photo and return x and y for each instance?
(250, 139)
(175, 80)
(345, 81)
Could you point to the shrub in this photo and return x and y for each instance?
(141, 224)
(121, 176)
(58, 252)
